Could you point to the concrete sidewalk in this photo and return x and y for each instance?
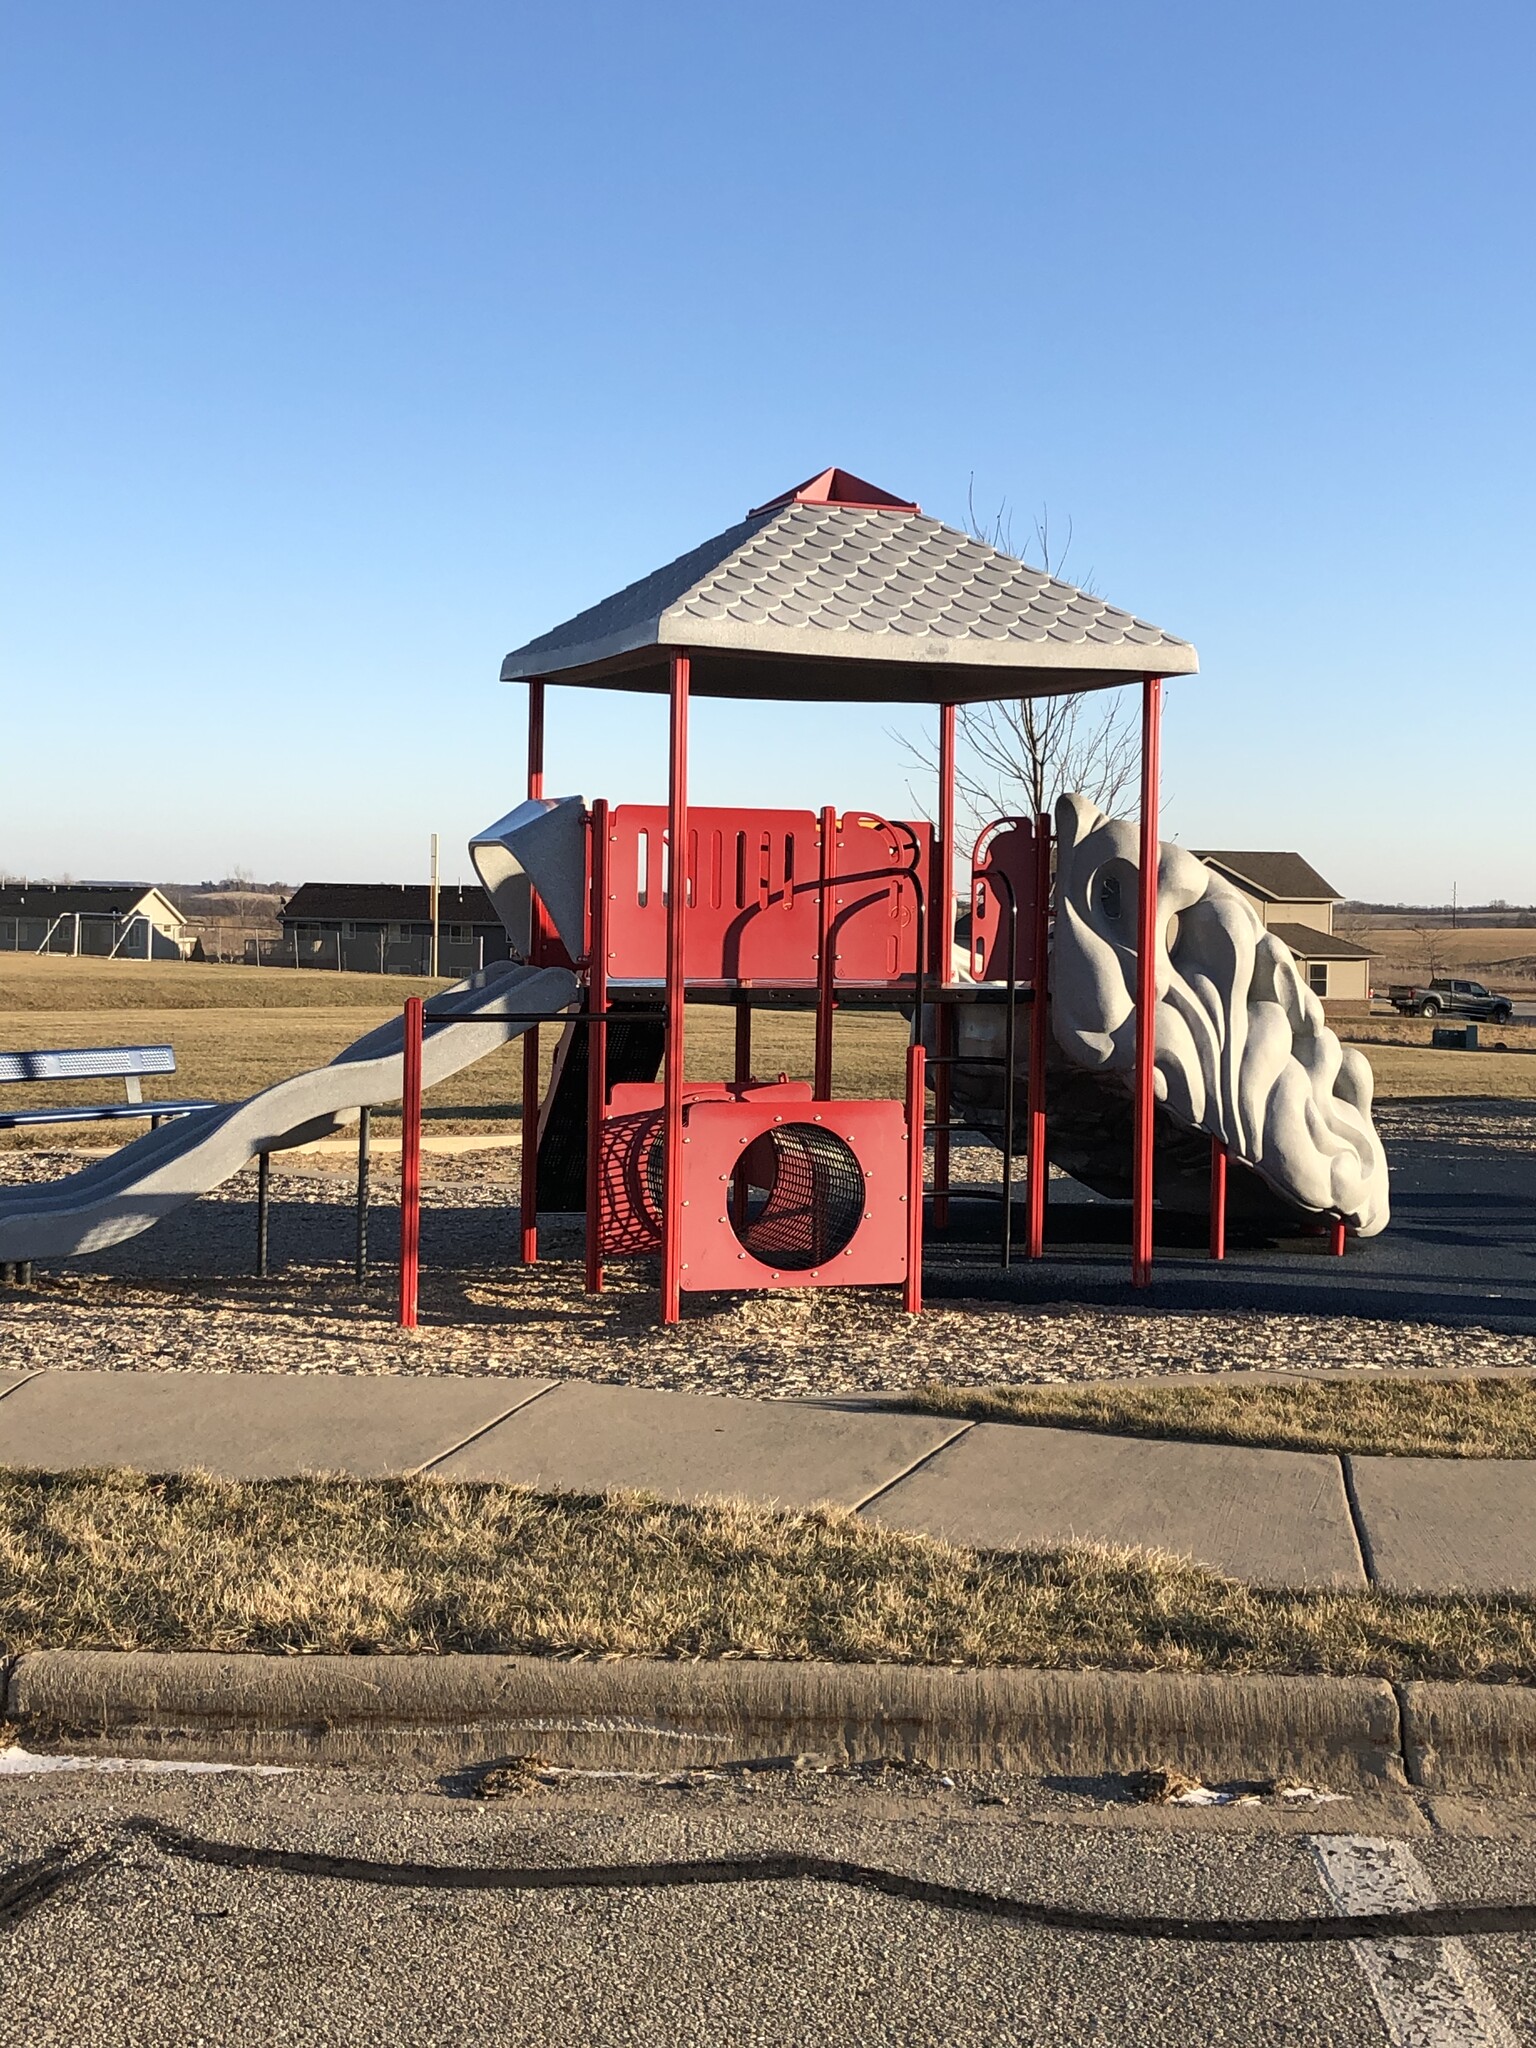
(1279, 1518)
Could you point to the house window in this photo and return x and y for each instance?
(1317, 977)
(458, 932)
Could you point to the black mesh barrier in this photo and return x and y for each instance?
(798, 1198)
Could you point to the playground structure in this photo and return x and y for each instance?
(837, 591)
(1143, 1031)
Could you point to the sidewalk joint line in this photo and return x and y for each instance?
(916, 1465)
(1357, 1520)
(417, 1471)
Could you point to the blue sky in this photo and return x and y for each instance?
(349, 345)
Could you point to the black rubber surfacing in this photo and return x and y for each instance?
(1430, 1922)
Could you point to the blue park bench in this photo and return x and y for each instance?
(94, 1063)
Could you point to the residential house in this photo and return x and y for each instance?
(1297, 905)
(386, 928)
(108, 920)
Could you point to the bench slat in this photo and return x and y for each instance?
(12, 1119)
(87, 1063)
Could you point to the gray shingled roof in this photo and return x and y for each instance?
(841, 602)
(1281, 877)
(1307, 944)
(386, 903)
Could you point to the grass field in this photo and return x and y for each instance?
(118, 1561)
(1470, 1418)
(238, 1029)
(1503, 956)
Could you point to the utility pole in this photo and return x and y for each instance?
(1453, 904)
(434, 906)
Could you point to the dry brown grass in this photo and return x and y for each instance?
(1466, 1418)
(117, 1561)
(1503, 956)
(54, 983)
(1407, 1071)
(236, 1030)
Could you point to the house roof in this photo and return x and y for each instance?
(840, 592)
(1277, 877)
(386, 903)
(90, 899)
(1308, 944)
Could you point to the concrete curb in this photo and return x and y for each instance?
(1460, 1738)
(638, 1713)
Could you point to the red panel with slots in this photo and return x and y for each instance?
(754, 882)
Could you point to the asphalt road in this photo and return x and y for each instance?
(150, 1948)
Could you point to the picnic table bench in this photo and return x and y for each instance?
(94, 1063)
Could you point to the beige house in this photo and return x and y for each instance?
(1297, 905)
(114, 920)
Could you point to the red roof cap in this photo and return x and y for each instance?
(838, 487)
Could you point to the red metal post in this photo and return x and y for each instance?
(536, 738)
(528, 1198)
(597, 1038)
(1218, 1199)
(410, 1163)
(1039, 1026)
(1336, 1237)
(677, 929)
(826, 955)
(912, 1291)
(1146, 983)
(942, 944)
(743, 1074)
(529, 1195)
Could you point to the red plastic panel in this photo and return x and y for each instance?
(754, 880)
(874, 923)
(629, 1156)
(1009, 853)
(836, 1209)
(751, 894)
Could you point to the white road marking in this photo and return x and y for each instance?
(16, 1762)
(1429, 1993)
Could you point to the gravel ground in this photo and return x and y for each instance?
(175, 1299)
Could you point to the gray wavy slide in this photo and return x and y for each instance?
(144, 1181)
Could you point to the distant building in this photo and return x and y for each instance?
(1297, 905)
(386, 928)
(107, 920)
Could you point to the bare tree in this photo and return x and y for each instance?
(1020, 754)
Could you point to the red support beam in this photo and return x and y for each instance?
(410, 1162)
(742, 1075)
(677, 928)
(942, 945)
(1218, 1199)
(1146, 983)
(1039, 1029)
(912, 1291)
(826, 955)
(529, 1180)
(536, 738)
(1336, 1237)
(597, 1038)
